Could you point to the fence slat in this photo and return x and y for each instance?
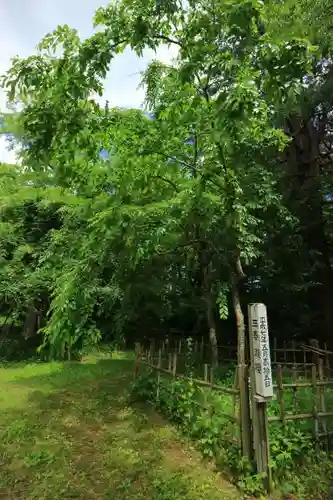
(280, 392)
(305, 364)
(285, 351)
(174, 364)
(206, 372)
(180, 347)
(294, 380)
(159, 366)
(327, 361)
(322, 401)
(211, 375)
(314, 396)
(202, 348)
(217, 388)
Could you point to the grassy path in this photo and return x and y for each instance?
(67, 431)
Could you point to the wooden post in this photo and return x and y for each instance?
(264, 455)
(234, 397)
(327, 362)
(275, 352)
(285, 355)
(280, 391)
(152, 351)
(261, 388)
(314, 409)
(294, 381)
(206, 372)
(180, 347)
(212, 375)
(322, 401)
(246, 439)
(202, 347)
(174, 364)
(159, 365)
(305, 364)
(137, 359)
(314, 344)
(294, 352)
(170, 362)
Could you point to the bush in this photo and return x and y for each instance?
(17, 349)
(296, 467)
(178, 401)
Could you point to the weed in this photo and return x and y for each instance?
(291, 444)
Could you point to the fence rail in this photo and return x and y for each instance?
(157, 364)
(195, 381)
(302, 397)
(302, 385)
(288, 353)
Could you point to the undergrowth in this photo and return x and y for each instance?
(298, 468)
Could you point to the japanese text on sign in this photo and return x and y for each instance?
(260, 354)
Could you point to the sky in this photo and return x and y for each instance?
(23, 23)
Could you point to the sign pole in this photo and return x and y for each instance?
(261, 387)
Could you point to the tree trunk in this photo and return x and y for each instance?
(212, 330)
(304, 167)
(241, 358)
(31, 323)
(210, 310)
(316, 240)
(206, 278)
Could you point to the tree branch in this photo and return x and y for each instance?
(181, 245)
(169, 40)
(169, 157)
(166, 180)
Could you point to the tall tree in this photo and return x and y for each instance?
(188, 195)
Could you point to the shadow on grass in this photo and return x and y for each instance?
(68, 431)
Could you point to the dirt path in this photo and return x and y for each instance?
(67, 431)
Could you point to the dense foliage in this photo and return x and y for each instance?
(298, 468)
(119, 224)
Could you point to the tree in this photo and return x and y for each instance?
(185, 204)
(223, 67)
(307, 161)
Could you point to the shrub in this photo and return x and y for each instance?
(297, 467)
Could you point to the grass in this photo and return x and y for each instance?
(67, 431)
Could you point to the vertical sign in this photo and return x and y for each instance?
(260, 351)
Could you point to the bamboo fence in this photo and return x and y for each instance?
(302, 376)
(171, 364)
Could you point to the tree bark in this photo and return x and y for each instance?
(241, 353)
(205, 276)
(304, 167)
(212, 330)
(31, 323)
(210, 311)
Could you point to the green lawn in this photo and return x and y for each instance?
(67, 431)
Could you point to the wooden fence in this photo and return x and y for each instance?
(302, 389)
(291, 355)
(316, 401)
(171, 364)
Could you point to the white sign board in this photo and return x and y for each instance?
(260, 351)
